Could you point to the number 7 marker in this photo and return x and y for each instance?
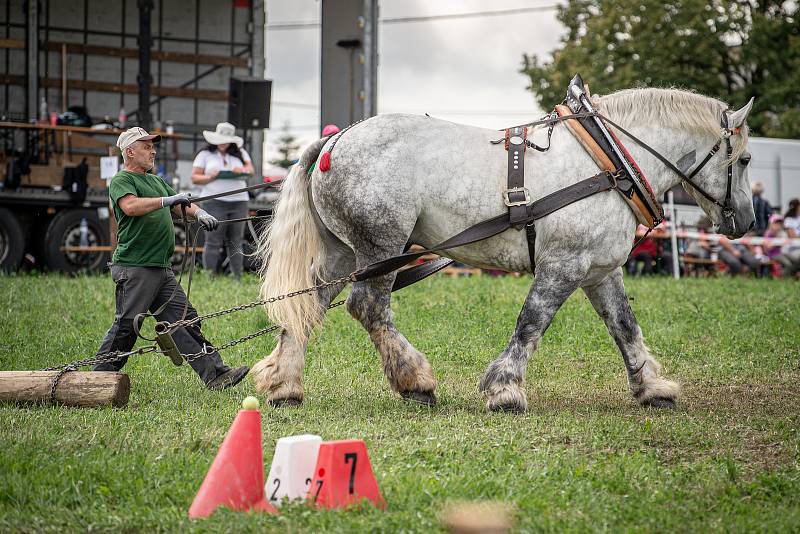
(343, 475)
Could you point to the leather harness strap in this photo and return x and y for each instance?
(516, 196)
(491, 227)
(418, 272)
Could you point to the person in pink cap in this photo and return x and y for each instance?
(329, 130)
(780, 253)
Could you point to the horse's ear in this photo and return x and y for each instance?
(739, 116)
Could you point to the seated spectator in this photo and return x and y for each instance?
(780, 253)
(702, 248)
(738, 257)
(791, 223)
(791, 219)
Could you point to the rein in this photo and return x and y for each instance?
(235, 191)
(727, 210)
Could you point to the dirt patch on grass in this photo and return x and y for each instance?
(773, 396)
(748, 422)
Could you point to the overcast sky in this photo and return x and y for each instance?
(463, 70)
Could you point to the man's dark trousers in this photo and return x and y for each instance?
(141, 289)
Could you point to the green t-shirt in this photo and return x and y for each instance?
(148, 240)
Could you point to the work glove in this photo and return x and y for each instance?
(181, 199)
(208, 221)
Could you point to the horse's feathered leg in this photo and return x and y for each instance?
(280, 375)
(407, 369)
(644, 372)
(504, 379)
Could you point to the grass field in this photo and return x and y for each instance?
(584, 457)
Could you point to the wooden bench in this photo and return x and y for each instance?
(708, 267)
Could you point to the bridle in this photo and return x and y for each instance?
(727, 131)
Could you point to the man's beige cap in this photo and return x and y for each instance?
(134, 134)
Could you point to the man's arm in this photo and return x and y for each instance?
(134, 206)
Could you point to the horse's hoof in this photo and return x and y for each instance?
(512, 407)
(508, 398)
(660, 402)
(426, 398)
(289, 402)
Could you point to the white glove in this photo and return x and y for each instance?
(208, 221)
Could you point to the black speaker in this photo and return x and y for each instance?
(248, 102)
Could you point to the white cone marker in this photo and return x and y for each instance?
(292, 468)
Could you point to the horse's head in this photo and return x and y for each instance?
(724, 178)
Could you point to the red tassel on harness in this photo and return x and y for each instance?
(325, 162)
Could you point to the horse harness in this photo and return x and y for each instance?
(618, 172)
(622, 175)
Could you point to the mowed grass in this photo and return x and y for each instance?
(584, 457)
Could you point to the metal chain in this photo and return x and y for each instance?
(105, 357)
(210, 349)
(183, 323)
(100, 358)
(54, 383)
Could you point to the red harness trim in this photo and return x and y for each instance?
(638, 170)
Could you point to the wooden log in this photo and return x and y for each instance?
(75, 388)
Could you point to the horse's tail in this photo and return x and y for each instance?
(291, 250)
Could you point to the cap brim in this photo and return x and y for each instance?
(153, 138)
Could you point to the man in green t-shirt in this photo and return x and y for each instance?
(141, 267)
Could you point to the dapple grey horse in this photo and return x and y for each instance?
(400, 178)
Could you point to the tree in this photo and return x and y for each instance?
(287, 148)
(727, 49)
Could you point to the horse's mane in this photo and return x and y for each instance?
(670, 108)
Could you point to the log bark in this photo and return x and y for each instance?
(75, 388)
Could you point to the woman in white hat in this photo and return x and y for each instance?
(215, 168)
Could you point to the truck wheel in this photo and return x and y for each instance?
(65, 231)
(12, 242)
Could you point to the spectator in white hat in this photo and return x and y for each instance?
(142, 266)
(222, 166)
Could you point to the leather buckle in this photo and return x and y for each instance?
(511, 203)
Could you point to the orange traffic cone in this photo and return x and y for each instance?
(343, 475)
(236, 478)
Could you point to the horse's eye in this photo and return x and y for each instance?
(744, 161)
